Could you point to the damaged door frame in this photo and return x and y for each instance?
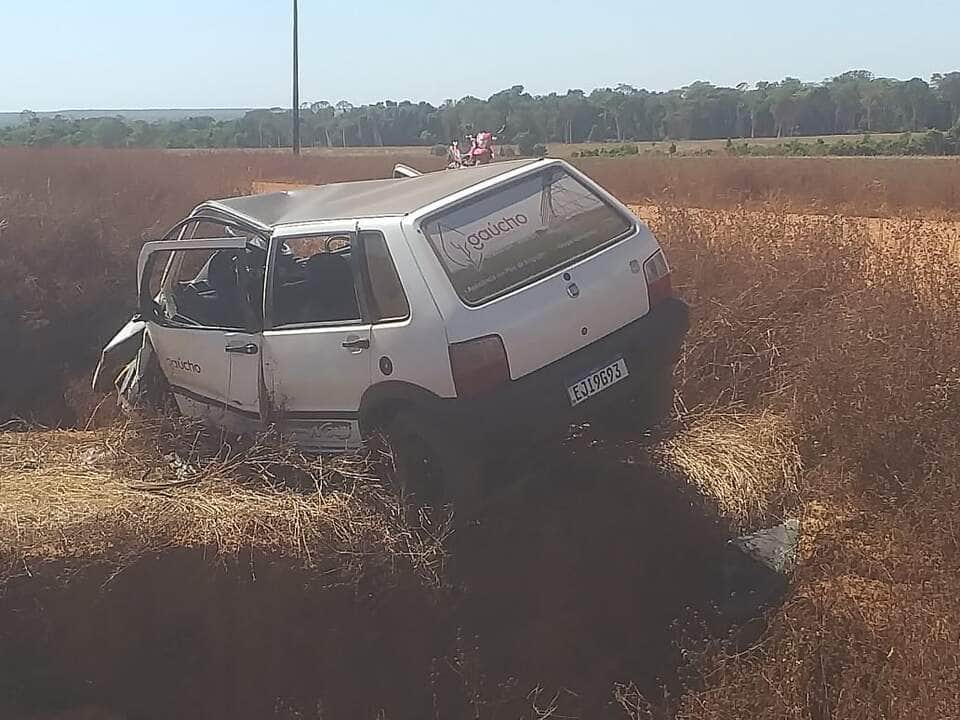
(220, 409)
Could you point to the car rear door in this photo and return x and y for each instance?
(316, 343)
(203, 328)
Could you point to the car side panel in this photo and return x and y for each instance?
(196, 367)
(414, 350)
(315, 384)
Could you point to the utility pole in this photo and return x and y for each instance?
(296, 84)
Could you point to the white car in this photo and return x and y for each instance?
(456, 310)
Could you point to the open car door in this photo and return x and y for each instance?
(201, 302)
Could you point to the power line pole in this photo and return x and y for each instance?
(296, 83)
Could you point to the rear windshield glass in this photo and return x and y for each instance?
(520, 232)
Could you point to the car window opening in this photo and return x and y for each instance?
(213, 288)
(314, 282)
(220, 293)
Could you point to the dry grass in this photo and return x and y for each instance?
(72, 222)
(117, 494)
(886, 187)
(856, 341)
(821, 378)
(746, 466)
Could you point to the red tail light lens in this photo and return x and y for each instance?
(659, 282)
(479, 365)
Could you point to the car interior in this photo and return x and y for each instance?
(314, 282)
(224, 291)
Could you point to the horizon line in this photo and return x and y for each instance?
(751, 85)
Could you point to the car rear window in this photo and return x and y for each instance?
(520, 232)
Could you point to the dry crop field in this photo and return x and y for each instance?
(568, 150)
(821, 380)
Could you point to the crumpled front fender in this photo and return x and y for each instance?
(120, 351)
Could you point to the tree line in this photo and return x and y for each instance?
(855, 102)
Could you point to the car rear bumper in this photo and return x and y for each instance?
(538, 404)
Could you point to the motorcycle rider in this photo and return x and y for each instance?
(454, 156)
(480, 152)
(482, 148)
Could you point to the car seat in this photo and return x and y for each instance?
(330, 291)
(224, 307)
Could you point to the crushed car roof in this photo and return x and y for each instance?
(367, 198)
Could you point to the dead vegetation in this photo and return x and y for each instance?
(884, 187)
(153, 569)
(821, 381)
(115, 495)
(857, 343)
(72, 222)
(746, 466)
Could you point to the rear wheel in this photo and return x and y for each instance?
(435, 467)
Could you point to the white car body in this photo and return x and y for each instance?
(328, 383)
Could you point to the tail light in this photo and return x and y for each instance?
(479, 365)
(657, 273)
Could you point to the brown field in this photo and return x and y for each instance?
(695, 147)
(875, 187)
(820, 381)
(567, 150)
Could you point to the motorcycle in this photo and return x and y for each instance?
(481, 150)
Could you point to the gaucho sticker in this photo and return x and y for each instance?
(467, 249)
(492, 230)
(184, 365)
(470, 235)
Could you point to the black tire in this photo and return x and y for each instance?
(435, 466)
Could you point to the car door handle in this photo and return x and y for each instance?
(356, 343)
(248, 349)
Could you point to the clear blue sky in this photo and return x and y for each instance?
(60, 54)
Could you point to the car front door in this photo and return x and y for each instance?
(316, 342)
(199, 301)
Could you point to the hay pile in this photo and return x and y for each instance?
(745, 465)
(115, 494)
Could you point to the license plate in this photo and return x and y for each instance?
(597, 381)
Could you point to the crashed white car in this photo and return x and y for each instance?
(456, 310)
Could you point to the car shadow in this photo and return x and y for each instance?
(595, 567)
(591, 567)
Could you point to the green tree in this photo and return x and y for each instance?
(525, 143)
(785, 106)
(847, 105)
(852, 102)
(948, 89)
(110, 132)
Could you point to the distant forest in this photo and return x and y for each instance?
(852, 103)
